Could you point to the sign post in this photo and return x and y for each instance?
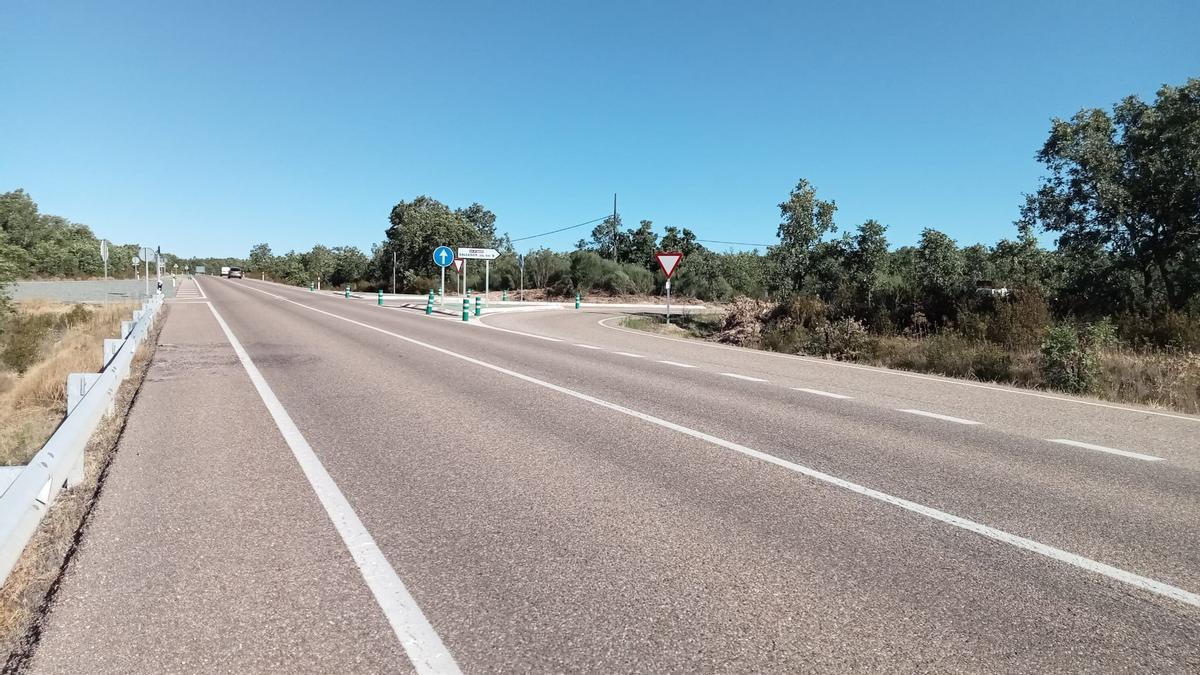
(669, 262)
(521, 264)
(485, 254)
(104, 256)
(443, 257)
(146, 253)
(459, 266)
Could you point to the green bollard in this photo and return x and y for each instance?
(310, 287)
(477, 305)
(347, 292)
(576, 301)
(381, 297)
(466, 309)
(429, 304)
(504, 295)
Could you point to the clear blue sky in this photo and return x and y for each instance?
(208, 127)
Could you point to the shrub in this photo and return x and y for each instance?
(640, 278)
(1069, 360)
(843, 340)
(23, 343)
(586, 269)
(1020, 322)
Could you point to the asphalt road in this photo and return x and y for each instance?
(93, 290)
(539, 492)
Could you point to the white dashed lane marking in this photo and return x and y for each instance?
(743, 377)
(818, 392)
(1101, 448)
(945, 418)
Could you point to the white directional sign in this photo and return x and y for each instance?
(478, 253)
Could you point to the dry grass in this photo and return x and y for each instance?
(1161, 379)
(32, 404)
(25, 595)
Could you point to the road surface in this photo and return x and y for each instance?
(311, 483)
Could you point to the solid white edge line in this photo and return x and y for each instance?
(818, 392)
(588, 346)
(1101, 448)
(1073, 559)
(420, 640)
(743, 377)
(895, 373)
(678, 364)
(936, 416)
(632, 356)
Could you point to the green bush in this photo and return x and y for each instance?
(1070, 360)
(24, 339)
(586, 270)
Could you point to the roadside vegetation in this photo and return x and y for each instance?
(1112, 310)
(40, 344)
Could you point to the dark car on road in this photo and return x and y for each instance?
(235, 273)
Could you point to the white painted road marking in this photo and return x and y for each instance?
(632, 356)
(818, 392)
(947, 418)
(1101, 448)
(589, 346)
(677, 364)
(514, 332)
(420, 641)
(893, 373)
(743, 377)
(1073, 559)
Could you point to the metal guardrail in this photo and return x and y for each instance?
(60, 462)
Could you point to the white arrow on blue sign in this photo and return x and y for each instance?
(443, 256)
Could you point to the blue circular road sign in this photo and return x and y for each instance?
(443, 256)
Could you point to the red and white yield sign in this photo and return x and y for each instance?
(458, 263)
(668, 261)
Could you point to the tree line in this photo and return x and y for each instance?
(1121, 195)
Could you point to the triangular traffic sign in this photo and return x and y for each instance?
(668, 261)
(458, 263)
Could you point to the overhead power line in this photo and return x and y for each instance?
(732, 243)
(561, 229)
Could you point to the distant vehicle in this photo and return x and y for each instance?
(224, 271)
(235, 273)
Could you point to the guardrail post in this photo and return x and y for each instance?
(78, 385)
(111, 347)
(75, 475)
(466, 309)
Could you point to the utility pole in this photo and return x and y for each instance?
(614, 227)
